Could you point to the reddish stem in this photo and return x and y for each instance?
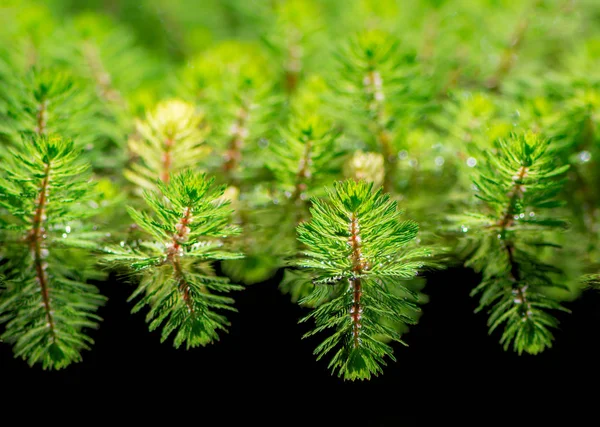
(233, 155)
(374, 86)
(167, 161)
(358, 266)
(42, 117)
(35, 239)
(303, 171)
(293, 66)
(100, 75)
(174, 254)
(507, 221)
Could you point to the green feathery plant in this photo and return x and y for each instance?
(304, 159)
(575, 134)
(357, 252)
(169, 141)
(371, 84)
(232, 84)
(46, 101)
(189, 224)
(276, 100)
(45, 303)
(517, 184)
(292, 37)
(302, 162)
(46, 98)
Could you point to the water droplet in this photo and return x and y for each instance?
(584, 156)
(122, 243)
(403, 154)
(64, 235)
(439, 161)
(471, 162)
(516, 217)
(521, 215)
(68, 228)
(531, 213)
(464, 228)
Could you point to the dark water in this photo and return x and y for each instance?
(450, 358)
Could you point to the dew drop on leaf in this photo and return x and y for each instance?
(584, 156)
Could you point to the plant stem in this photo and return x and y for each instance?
(100, 75)
(36, 238)
(174, 253)
(166, 160)
(508, 58)
(294, 63)
(358, 265)
(374, 89)
(239, 133)
(507, 221)
(304, 172)
(42, 117)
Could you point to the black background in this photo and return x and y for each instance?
(263, 358)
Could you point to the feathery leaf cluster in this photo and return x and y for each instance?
(276, 101)
(167, 142)
(188, 224)
(306, 153)
(372, 79)
(45, 303)
(357, 251)
(518, 183)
